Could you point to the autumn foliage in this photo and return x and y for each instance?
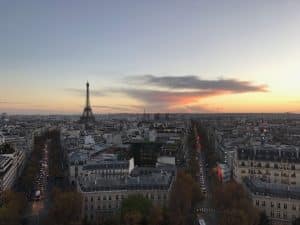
(235, 206)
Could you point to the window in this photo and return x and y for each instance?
(99, 198)
(263, 203)
(109, 197)
(278, 205)
(272, 214)
(104, 197)
(257, 202)
(293, 207)
(92, 199)
(285, 205)
(278, 214)
(272, 204)
(76, 171)
(284, 215)
(117, 197)
(293, 167)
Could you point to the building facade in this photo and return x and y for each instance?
(280, 202)
(103, 197)
(270, 164)
(271, 174)
(11, 166)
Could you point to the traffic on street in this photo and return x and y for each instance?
(205, 210)
(41, 180)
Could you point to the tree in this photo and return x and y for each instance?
(184, 195)
(26, 181)
(133, 217)
(234, 217)
(55, 155)
(135, 209)
(66, 208)
(12, 205)
(264, 220)
(232, 198)
(156, 216)
(115, 220)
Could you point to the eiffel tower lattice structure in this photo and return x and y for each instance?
(87, 115)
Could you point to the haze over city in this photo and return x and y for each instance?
(162, 56)
(149, 112)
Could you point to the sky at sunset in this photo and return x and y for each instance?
(161, 55)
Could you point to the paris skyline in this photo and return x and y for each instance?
(164, 56)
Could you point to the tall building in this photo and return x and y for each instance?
(87, 115)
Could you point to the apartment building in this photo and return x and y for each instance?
(271, 174)
(280, 202)
(270, 163)
(11, 166)
(104, 196)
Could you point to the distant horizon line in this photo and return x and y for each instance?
(162, 113)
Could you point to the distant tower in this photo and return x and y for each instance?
(87, 115)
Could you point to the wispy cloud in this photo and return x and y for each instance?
(194, 108)
(183, 92)
(196, 83)
(12, 103)
(12, 106)
(171, 93)
(119, 108)
(167, 97)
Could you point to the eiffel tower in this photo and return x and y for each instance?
(87, 115)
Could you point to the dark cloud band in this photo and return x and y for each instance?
(195, 83)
